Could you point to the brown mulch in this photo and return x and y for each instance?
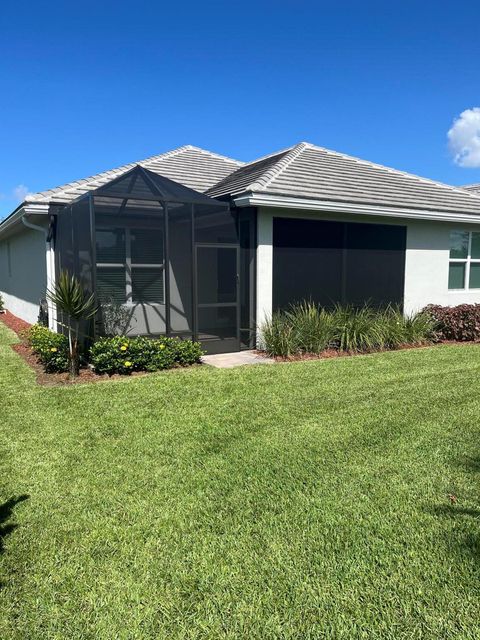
(15, 324)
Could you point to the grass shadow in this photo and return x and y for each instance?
(464, 536)
(6, 513)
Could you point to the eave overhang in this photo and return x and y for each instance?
(257, 199)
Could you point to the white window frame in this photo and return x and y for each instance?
(127, 266)
(466, 261)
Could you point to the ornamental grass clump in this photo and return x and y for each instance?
(306, 328)
(313, 328)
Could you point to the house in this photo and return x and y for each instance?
(193, 244)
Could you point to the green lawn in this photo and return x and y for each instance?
(305, 500)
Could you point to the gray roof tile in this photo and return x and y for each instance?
(308, 171)
(473, 188)
(191, 166)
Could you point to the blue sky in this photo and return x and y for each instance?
(89, 86)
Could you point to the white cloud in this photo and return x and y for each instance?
(464, 138)
(20, 192)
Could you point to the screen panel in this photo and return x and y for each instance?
(374, 264)
(337, 262)
(307, 261)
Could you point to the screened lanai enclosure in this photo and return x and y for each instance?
(162, 259)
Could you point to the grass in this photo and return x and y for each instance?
(306, 500)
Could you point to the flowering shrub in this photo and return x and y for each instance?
(124, 355)
(51, 348)
(460, 323)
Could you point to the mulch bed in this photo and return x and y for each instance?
(88, 375)
(14, 323)
(51, 379)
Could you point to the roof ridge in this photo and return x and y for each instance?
(126, 167)
(390, 169)
(269, 155)
(212, 154)
(278, 167)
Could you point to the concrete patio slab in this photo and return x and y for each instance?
(236, 359)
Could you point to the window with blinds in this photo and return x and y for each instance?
(130, 265)
(147, 266)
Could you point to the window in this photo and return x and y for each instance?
(130, 265)
(146, 261)
(464, 266)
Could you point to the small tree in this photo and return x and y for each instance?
(69, 296)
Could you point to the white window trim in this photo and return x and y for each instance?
(467, 262)
(127, 267)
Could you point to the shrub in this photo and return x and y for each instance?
(356, 328)
(51, 348)
(2, 308)
(278, 337)
(461, 323)
(123, 355)
(313, 328)
(393, 328)
(307, 328)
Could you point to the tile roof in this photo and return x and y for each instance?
(473, 188)
(308, 171)
(191, 166)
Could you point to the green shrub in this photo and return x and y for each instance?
(278, 337)
(394, 328)
(312, 328)
(51, 348)
(1, 303)
(356, 328)
(123, 355)
(307, 328)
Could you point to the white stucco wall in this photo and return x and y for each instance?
(426, 259)
(23, 273)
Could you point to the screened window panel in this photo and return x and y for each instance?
(458, 244)
(111, 284)
(474, 275)
(374, 264)
(475, 253)
(110, 246)
(181, 257)
(217, 275)
(147, 285)
(217, 322)
(215, 225)
(147, 246)
(307, 262)
(456, 275)
(335, 262)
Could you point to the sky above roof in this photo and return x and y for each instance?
(85, 90)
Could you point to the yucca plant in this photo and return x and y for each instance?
(69, 297)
